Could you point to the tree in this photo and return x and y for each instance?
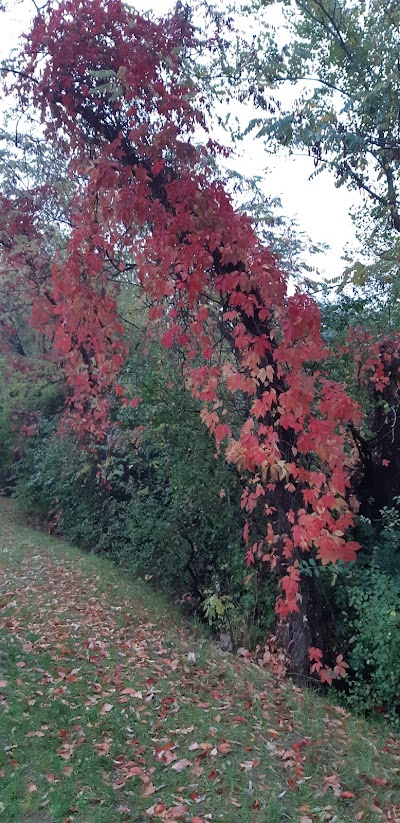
(342, 59)
(114, 97)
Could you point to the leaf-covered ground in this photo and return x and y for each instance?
(112, 710)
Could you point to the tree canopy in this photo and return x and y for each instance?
(342, 60)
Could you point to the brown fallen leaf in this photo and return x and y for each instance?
(65, 752)
(106, 708)
(176, 812)
(180, 765)
(157, 809)
(148, 787)
(32, 788)
(332, 782)
(103, 748)
(132, 693)
(224, 748)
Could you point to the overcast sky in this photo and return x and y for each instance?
(322, 211)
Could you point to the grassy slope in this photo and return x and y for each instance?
(103, 717)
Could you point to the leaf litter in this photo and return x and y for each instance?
(108, 702)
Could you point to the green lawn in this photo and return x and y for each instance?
(111, 709)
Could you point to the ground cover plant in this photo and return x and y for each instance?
(113, 709)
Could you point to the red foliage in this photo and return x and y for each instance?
(114, 96)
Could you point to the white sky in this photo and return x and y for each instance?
(322, 210)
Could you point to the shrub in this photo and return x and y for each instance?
(155, 498)
(374, 650)
(368, 604)
(59, 483)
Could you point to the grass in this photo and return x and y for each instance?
(112, 710)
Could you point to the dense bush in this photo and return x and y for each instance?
(26, 398)
(155, 498)
(59, 483)
(374, 601)
(368, 603)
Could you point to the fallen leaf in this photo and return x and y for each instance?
(66, 751)
(158, 808)
(376, 780)
(332, 782)
(106, 708)
(180, 765)
(132, 693)
(103, 748)
(147, 786)
(176, 812)
(224, 748)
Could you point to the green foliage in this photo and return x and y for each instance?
(186, 521)
(386, 551)
(341, 60)
(368, 603)
(374, 615)
(59, 483)
(153, 496)
(339, 317)
(25, 396)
